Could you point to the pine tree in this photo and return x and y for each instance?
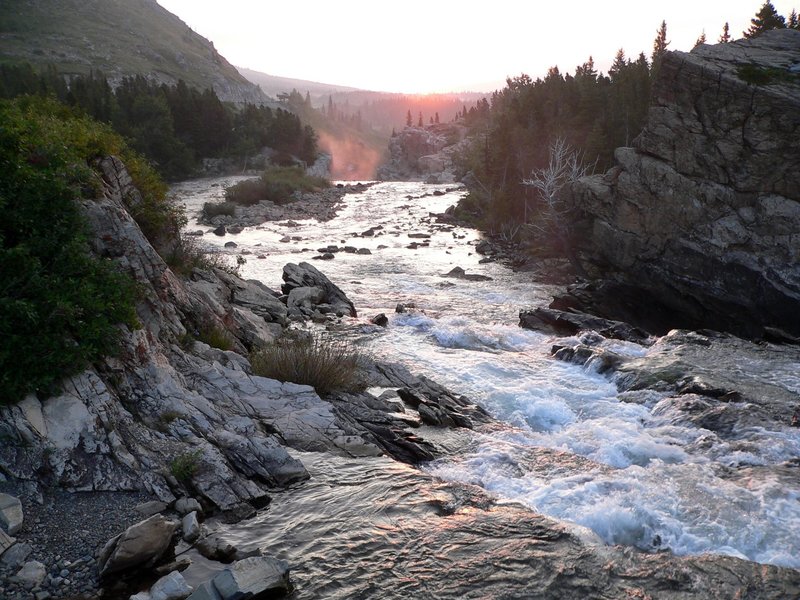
(794, 21)
(409, 121)
(419, 122)
(436, 117)
(726, 34)
(619, 64)
(766, 18)
(660, 43)
(701, 40)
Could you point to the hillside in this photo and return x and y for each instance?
(119, 38)
(272, 85)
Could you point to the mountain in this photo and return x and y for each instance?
(273, 85)
(119, 38)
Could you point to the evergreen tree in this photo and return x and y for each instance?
(766, 18)
(701, 40)
(419, 122)
(409, 121)
(660, 43)
(794, 21)
(436, 117)
(726, 34)
(618, 65)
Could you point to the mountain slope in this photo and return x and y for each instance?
(119, 38)
(274, 85)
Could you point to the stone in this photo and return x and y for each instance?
(16, 555)
(32, 573)
(220, 231)
(170, 587)
(185, 505)
(214, 547)
(11, 516)
(252, 577)
(459, 273)
(6, 542)
(306, 275)
(231, 244)
(190, 527)
(148, 509)
(380, 319)
(141, 545)
(364, 251)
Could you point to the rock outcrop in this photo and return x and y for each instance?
(700, 220)
(423, 153)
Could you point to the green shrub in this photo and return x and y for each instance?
(276, 184)
(216, 337)
(59, 305)
(185, 465)
(213, 209)
(325, 364)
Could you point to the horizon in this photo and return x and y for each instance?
(487, 48)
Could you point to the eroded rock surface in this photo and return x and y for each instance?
(703, 213)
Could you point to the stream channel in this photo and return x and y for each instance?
(572, 448)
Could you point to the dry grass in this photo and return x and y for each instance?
(325, 364)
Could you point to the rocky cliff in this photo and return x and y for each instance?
(423, 153)
(698, 224)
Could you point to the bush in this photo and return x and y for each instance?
(276, 184)
(326, 365)
(216, 337)
(59, 305)
(213, 209)
(188, 255)
(185, 465)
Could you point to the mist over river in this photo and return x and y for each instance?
(624, 466)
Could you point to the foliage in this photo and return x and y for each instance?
(758, 75)
(173, 126)
(216, 337)
(766, 18)
(276, 184)
(185, 465)
(188, 255)
(325, 364)
(59, 306)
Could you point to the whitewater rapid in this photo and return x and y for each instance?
(625, 466)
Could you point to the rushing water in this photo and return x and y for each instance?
(629, 471)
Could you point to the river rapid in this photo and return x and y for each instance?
(573, 448)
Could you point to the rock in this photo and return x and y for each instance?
(306, 275)
(214, 547)
(16, 555)
(483, 247)
(139, 546)
(571, 322)
(170, 587)
(32, 574)
(249, 578)
(190, 527)
(220, 231)
(380, 320)
(364, 251)
(459, 273)
(423, 153)
(6, 542)
(702, 214)
(231, 244)
(153, 507)
(184, 506)
(10, 513)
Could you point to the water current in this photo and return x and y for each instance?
(626, 470)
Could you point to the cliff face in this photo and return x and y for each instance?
(702, 215)
(423, 153)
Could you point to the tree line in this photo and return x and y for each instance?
(174, 126)
(591, 113)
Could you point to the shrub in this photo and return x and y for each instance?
(213, 209)
(216, 337)
(188, 255)
(325, 364)
(59, 305)
(185, 465)
(276, 184)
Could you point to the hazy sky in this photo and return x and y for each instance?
(442, 45)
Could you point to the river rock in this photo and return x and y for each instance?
(248, 578)
(148, 509)
(32, 574)
(459, 273)
(141, 545)
(380, 319)
(190, 527)
(16, 555)
(306, 275)
(6, 541)
(702, 214)
(215, 547)
(571, 322)
(11, 516)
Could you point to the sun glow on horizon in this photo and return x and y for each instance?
(448, 46)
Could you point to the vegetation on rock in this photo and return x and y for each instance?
(276, 184)
(326, 365)
(59, 306)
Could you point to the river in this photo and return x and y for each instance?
(573, 448)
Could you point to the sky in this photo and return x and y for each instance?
(448, 46)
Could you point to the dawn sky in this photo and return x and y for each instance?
(443, 45)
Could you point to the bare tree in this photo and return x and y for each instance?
(565, 166)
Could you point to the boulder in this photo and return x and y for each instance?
(306, 275)
(32, 574)
(184, 506)
(10, 513)
(16, 555)
(139, 546)
(170, 587)
(380, 319)
(703, 212)
(459, 273)
(254, 577)
(6, 542)
(148, 509)
(190, 527)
